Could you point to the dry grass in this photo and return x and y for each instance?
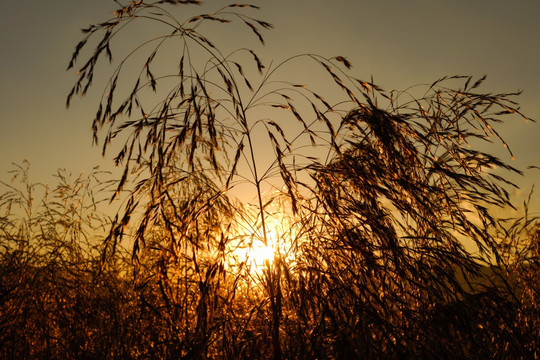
(378, 190)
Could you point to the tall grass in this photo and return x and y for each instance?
(374, 193)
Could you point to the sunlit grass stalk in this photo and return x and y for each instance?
(387, 205)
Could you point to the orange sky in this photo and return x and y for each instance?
(400, 43)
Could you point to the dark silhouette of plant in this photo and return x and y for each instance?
(380, 191)
(55, 292)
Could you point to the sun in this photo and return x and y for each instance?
(254, 252)
(254, 247)
(258, 254)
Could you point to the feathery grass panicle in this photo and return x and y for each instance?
(382, 194)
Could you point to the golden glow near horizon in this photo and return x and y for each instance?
(252, 250)
(256, 254)
(248, 247)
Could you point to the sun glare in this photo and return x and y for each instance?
(255, 253)
(258, 254)
(250, 248)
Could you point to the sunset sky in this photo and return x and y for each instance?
(398, 42)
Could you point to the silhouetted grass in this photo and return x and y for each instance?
(374, 195)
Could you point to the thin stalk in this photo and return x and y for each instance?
(272, 276)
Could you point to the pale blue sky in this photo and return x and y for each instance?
(399, 42)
